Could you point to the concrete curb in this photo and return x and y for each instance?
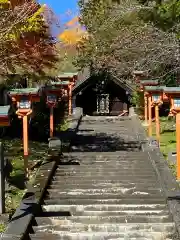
(166, 178)
(21, 221)
(168, 183)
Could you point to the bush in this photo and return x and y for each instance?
(138, 102)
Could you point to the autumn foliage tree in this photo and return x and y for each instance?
(26, 42)
(69, 37)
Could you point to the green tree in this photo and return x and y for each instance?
(127, 35)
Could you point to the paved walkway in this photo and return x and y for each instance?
(108, 188)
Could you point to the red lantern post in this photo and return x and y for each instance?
(173, 94)
(155, 100)
(24, 99)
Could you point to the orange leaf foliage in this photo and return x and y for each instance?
(73, 34)
(32, 50)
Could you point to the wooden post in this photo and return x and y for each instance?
(2, 180)
(178, 144)
(150, 116)
(25, 143)
(157, 123)
(51, 122)
(70, 98)
(145, 108)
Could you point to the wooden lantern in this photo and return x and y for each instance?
(71, 77)
(155, 99)
(5, 112)
(173, 94)
(67, 87)
(143, 84)
(139, 75)
(53, 94)
(149, 82)
(24, 98)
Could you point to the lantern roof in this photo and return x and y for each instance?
(67, 75)
(59, 83)
(149, 82)
(24, 91)
(5, 110)
(172, 89)
(154, 88)
(139, 72)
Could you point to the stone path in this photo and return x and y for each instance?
(106, 188)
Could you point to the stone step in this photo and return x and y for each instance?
(103, 180)
(87, 148)
(104, 187)
(65, 226)
(121, 166)
(103, 195)
(111, 143)
(85, 170)
(81, 164)
(104, 166)
(96, 185)
(107, 162)
(133, 235)
(107, 173)
(135, 213)
(120, 192)
(105, 156)
(97, 167)
(115, 177)
(85, 201)
(113, 154)
(103, 219)
(117, 154)
(123, 162)
(130, 208)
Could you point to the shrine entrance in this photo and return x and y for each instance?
(102, 104)
(104, 98)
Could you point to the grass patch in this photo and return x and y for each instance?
(63, 126)
(167, 138)
(2, 227)
(168, 135)
(17, 187)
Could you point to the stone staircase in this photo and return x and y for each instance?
(106, 188)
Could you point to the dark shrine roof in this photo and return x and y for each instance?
(85, 79)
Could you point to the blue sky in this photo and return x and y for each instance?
(64, 9)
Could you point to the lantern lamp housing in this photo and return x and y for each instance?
(156, 97)
(177, 102)
(24, 103)
(51, 98)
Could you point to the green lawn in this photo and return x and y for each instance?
(2, 227)
(167, 138)
(168, 135)
(17, 187)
